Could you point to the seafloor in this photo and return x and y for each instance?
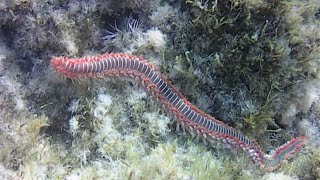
(253, 64)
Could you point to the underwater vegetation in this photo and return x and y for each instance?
(252, 64)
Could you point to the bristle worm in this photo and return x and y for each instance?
(118, 64)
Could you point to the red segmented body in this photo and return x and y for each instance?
(187, 115)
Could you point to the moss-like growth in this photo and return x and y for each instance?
(241, 56)
(18, 144)
(252, 64)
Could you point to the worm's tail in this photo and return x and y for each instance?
(272, 161)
